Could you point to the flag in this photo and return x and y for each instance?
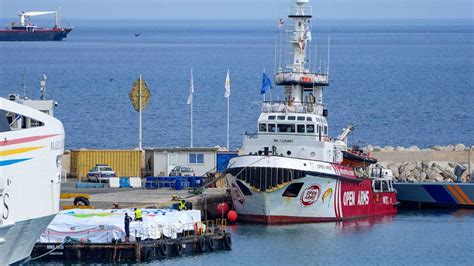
(227, 85)
(191, 89)
(266, 84)
(307, 34)
(280, 23)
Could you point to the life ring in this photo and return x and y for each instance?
(163, 249)
(178, 247)
(210, 243)
(201, 243)
(227, 241)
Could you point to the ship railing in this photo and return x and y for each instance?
(295, 10)
(300, 107)
(251, 135)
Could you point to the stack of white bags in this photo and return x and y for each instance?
(102, 226)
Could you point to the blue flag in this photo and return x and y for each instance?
(266, 84)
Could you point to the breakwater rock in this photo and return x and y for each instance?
(435, 164)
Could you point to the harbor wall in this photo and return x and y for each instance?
(436, 164)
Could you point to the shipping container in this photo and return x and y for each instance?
(223, 158)
(123, 162)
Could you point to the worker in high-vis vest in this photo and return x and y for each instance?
(138, 215)
(182, 205)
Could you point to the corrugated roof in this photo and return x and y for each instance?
(182, 149)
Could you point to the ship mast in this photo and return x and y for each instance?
(297, 77)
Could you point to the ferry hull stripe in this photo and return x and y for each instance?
(10, 162)
(24, 140)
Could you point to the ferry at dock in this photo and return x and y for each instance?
(290, 170)
(31, 147)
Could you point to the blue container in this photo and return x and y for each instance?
(223, 159)
(124, 182)
(179, 183)
(192, 181)
(198, 181)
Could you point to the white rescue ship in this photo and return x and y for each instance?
(291, 170)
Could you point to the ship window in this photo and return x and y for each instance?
(310, 128)
(281, 117)
(300, 128)
(243, 188)
(291, 117)
(271, 117)
(300, 118)
(286, 128)
(309, 119)
(293, 190)
(4, 125)
(325, 130)
(271, 128)
(262, 127)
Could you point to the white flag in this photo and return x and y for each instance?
(227, 85)
(191, 89)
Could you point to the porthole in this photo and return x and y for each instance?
(288, 153)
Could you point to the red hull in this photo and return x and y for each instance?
(274, 220)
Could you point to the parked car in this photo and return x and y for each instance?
(100, 172)
(182, 171)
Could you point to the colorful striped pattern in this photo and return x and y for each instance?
(455, 194)
(20, 150)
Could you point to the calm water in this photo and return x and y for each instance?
(399, 82)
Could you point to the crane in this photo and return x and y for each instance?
(25, 15)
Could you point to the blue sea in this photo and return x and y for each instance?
(399, 82)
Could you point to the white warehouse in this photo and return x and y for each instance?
(160, 161)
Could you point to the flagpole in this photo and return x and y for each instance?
(140, 115)
(228, 116)
(192, 100)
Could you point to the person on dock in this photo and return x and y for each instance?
(127, 221)
(182, 205)
(138, 215)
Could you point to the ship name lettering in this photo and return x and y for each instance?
(283, 140)
(363, 198)
(349, 198)
(57, 145)
(4, 198)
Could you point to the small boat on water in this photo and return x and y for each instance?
(291, 171)
(24, 30)
(31, 147)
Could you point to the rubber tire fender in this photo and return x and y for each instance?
(81, 201)
(210, 243)
(163, 249)
(227, 241)
(178, 247)
(201, 243)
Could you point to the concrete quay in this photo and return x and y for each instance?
(104, 198)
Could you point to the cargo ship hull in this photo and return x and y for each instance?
(37, 35)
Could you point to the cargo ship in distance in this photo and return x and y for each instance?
(24, 30)
(290, 170)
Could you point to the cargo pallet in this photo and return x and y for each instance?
(142, 251)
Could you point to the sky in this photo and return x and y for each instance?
(244, 9)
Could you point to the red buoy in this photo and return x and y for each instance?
(222, 208)
(232, 216)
